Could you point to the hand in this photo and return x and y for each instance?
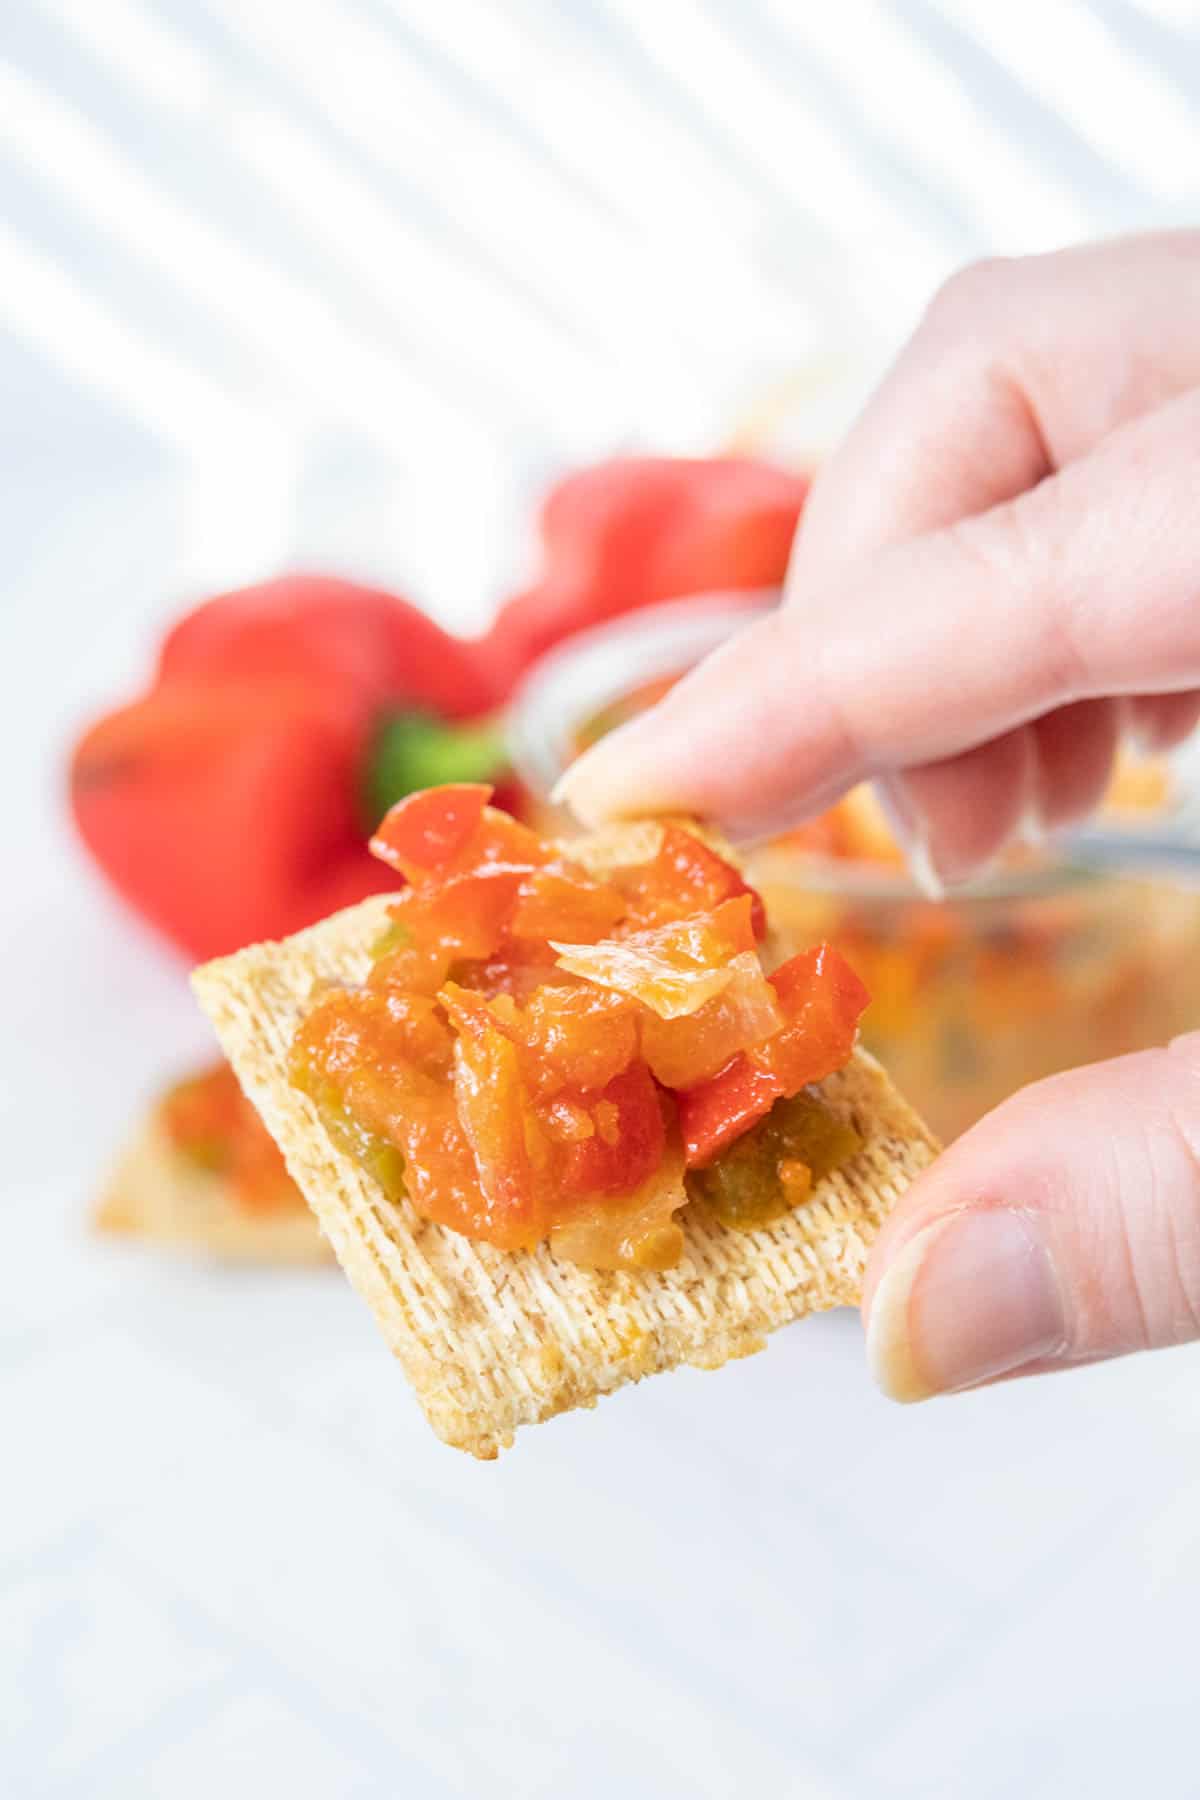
(996, 575)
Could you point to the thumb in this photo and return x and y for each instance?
(1063, 1228)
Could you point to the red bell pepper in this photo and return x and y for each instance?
(636, 530)
(234, 800)
(420, 835)
(362, 641)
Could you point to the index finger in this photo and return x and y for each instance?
(1081, 588)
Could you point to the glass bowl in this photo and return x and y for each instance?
(1043, 966)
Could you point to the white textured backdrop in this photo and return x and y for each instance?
(343, 283)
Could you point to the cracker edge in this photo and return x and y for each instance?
(493, 1340)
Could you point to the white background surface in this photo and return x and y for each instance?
(341, 284)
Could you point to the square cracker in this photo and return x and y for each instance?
(491, 1339)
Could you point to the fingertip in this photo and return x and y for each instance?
(959, 815)
(571, 792)
(609, 781)
(921, 867)
(1157, 723)
(1060, 1229)
(972, 1297)
(911, 833)
(731, 741)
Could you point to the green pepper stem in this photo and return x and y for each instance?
(412, 750)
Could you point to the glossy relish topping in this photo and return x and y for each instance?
(213, 1126)
(537, 1051)
(774, 1167)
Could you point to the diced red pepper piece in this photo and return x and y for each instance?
(352, 1031)
(497, 841)
(627, 1143)
(426, 830)
(686, 877)
(577, 1039)
(823, 999)
(716, 1112)
(494, 1111)
(465, 917)
(565, 905)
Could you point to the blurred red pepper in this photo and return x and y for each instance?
(636, 530)
(234, 800)
(363, 641)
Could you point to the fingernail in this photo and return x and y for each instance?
(560, 793)
(909, 832)
(582, 786)
(967, 1299)
(920, 867)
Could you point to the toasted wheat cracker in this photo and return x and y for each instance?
(493, 1339)
(155, 1195)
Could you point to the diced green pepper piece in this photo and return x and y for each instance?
(742, 1188)
(395, 936)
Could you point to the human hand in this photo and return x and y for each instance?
(995, 576)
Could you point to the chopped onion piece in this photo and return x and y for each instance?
(674, 969)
